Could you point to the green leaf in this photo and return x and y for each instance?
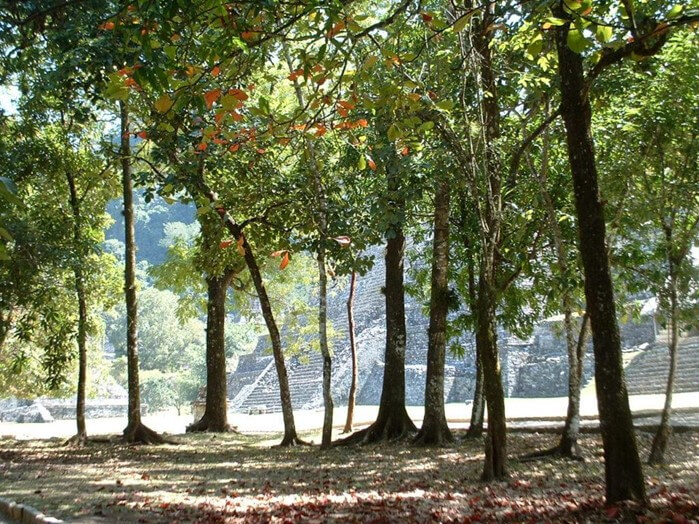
(576, 41)
(370, 61)
(460, 23)
(603, 33)
(4, 233)
(394, 132)
(361, 163)
(675, 11)
(425, 126)
(163, 104)
(446, 105)
(535, 48)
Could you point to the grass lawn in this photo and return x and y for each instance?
(237, 478)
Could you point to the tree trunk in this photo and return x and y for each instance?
(435, 430)
(290, 436)
(392, 422)
(215, 417)
(495, 465)
(326, 439)
(568, 445)
(5, 327)
(81, 435)
(657, 450)
(353, 349)
(135, 430)
(321, 215)
(624, 476)
(475, 428)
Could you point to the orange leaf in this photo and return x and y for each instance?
(239, 245)
(248, 35)
(426, 17)
(547, 25)
(285, 261)
(234, 148)
(211, 96)
(343, 240)
(238, 94)
(283, 140)
(236, 116)
(175, 37)
(219, 141)
(347, 105)
(279, 253)
(225, 244)
(405, 151)
(261, 151)
(142, 134)
(372, 164)
(321, 130)
(216, 71)
(219, 116)
(107, 26)
(362, 122)
(202, 146)
(343, 112)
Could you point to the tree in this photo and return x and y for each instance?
(434, 426)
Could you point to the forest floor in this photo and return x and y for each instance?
(238, 478)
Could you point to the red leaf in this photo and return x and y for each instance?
(142, 134)
(216, 71)
(238, 94)
(405, 151)
(426, 17)
(107, 26)
(225, 244)
(202, 146)
(211, 96)
(285, 261)
(372, 164)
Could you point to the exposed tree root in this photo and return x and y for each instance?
(435, 436)
(573, 453)
(139, 433)
(203, 425)
(78, 440)
(291, 441)
(386, 429)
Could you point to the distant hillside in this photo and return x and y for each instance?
(150, 222)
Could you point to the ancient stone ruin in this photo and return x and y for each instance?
(535, 367)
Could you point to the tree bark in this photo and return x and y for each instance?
(495, 465)
(321, 215)
(475, 427)
(623, 473)
(392, 421)
(435, 430)
(290, 436)
(80, 291)
(662, 435)
(135, 430)
(353, 350)
(568, 445)
(215, 417)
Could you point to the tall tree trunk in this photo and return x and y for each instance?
(321, 215)
(290, 436)
(495, 465)
(435, 430)
(5, 327)
(135, 430)
(657, 450)
(568, 445)
(475, 427)
(81, 436)
(215, 417)
(623, 473)
(353, 350)
(392, 421)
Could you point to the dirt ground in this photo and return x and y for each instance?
(236, 478)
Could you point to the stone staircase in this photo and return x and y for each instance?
(647, 372)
